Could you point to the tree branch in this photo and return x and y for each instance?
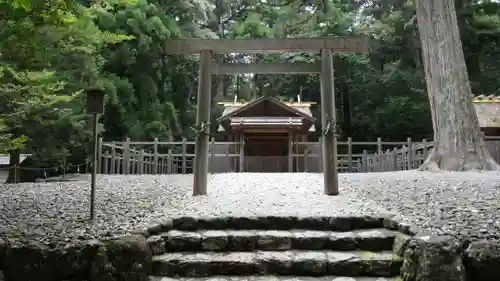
(287, 3)
(303, 21)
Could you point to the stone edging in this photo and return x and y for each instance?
(428, 257)
(259, 222)
(122, 258)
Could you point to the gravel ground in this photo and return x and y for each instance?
(464, 204)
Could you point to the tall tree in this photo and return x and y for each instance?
(42, 108)
(458, 142)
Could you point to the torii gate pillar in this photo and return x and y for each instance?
(328, 124)
(203, 124)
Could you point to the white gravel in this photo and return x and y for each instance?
(246, 194)
(466, 204)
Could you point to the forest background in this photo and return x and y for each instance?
(50, 52)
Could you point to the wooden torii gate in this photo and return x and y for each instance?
(207, 47)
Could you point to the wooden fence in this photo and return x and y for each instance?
(411, 156)
(156, 157)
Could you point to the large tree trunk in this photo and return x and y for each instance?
(458, 144)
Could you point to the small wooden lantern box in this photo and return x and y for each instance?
(95, 101)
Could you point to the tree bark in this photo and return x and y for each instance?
(458, 143)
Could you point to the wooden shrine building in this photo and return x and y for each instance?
(268, 128)
(488, 114)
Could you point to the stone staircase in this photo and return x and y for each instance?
(274, 248)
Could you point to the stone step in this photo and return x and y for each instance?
(271, 278)
(338, 223)
(297, 263)
(272, 240)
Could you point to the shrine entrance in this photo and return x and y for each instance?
(268, 129)
(207, 47)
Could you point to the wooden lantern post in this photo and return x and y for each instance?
(95, 106)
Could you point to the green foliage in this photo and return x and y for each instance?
(49, 53)
(149, 97)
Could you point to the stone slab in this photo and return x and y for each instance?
(300, 263)
(334, 223)
(276, 240)
(271, 278)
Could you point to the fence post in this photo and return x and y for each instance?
(378, 166)
(165, 165)
(384, 161)
(349, 155)
(395, 165)
(418, 154)
(358, 165)
(404, 154)
(211, 158)
(145, 161)
(113, 161)
(381, 159)
(320, 155)
(126, 157)
(379, 145)
(297, 157)
(105, 163)
(140, 162)
(134, 162)
(306, 152)
(155, 156)
(364, 167)
(184, 151)
(370, 161)
(230, 159)
(99, 156)
(170, 162)
(425, 149)
(290, 152)
(149, 162)
(381, 164)
(410, 154)
(242, 155)
(162, 165)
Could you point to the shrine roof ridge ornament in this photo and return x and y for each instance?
(485, 98)
(355, 44)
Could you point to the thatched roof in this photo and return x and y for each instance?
(233, 108)
(304, 108)
(487, 110)
(5, 158)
